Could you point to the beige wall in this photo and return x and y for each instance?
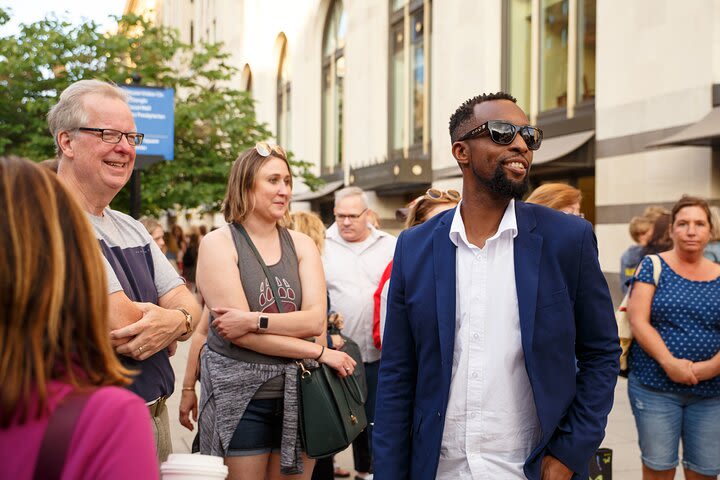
(466, 40)
(655, 65)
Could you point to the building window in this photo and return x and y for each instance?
(409, 85)
(550, 60)
(283, 95)
(333, 73)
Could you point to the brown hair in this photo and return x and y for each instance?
(310, 224)
(53, 301)
(555, 195)
(690, 201)
(238, 202)
(639, 226)
(51, 164)
(660, 240)
(422, 206)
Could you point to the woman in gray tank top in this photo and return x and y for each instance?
(249, 400)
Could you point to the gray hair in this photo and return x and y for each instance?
(69, 112)
(350, 192)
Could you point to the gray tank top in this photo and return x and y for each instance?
(260, 299)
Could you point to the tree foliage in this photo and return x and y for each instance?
(214, 121)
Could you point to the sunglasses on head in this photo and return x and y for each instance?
(264, 149)
(503, 133)
(437, 194)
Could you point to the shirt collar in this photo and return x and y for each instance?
(508, 223)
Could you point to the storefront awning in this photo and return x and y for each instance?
(703, 133)
(557, 147)
(326, 189)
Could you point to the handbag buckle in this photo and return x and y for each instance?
(304, 370)
(353, 419)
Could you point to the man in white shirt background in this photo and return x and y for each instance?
(356, 255)
(490, 306)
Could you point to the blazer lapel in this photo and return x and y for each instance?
(527, 250)
(444, 252)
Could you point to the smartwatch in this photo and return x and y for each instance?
(262, 324)
(188, 321)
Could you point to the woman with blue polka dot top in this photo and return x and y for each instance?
(674, 382)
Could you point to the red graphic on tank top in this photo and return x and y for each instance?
(266, 298)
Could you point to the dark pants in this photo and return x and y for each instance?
(362, 446)
(324, 469)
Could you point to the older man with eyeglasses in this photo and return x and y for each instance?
(356, 255)
(150, 307)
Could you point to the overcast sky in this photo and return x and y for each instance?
(75, 11)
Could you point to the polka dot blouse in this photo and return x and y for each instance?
(686, 314)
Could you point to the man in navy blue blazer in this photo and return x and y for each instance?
(500, 352)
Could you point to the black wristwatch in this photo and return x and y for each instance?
(263, 321)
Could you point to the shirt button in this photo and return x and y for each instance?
(474, 374)
(476, 336)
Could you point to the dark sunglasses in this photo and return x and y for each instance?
(503, 133)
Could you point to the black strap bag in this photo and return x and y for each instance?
(332, 412)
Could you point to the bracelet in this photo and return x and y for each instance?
(192, 389)
(321, 353)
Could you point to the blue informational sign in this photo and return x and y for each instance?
(154, 115)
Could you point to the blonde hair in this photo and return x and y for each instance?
(311, 225)
(150, 224)
(69, 113)
(238, 202)
(715, 219)
(639, 226)
(53, 301)
(555, 195)
(422, 206)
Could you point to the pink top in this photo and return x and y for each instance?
(112, 440)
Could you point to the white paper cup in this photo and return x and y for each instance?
(186, 466)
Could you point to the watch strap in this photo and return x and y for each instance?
(188, 320)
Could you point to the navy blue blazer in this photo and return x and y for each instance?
(565, 314)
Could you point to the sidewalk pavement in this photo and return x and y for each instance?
(620, 436)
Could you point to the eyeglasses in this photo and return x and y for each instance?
(340, 217)
(264, 149)
(437, 194)
(108, 135)
(503, 133)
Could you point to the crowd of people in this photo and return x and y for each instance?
(483, 336)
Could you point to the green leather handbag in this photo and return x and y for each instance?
(332, 412)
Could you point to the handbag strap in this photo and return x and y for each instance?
(56, 442)
(657, 268)
(268, 275)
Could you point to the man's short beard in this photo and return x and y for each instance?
(500, 185)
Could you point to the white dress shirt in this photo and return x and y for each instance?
(352, 273)
(491, 424)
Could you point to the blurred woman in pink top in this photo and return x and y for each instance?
(54, 341)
